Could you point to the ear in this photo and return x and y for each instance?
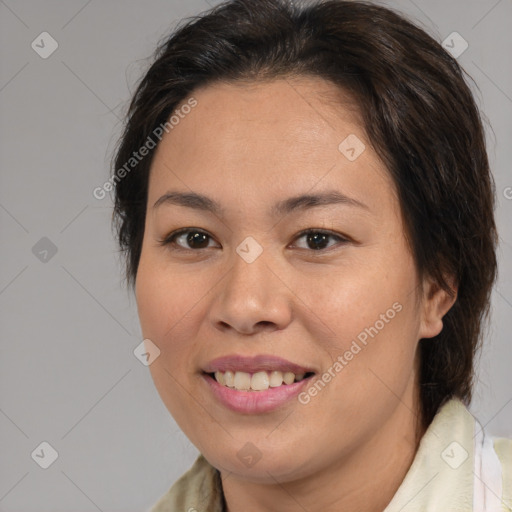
(435, 304)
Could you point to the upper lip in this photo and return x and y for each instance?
(254, 364)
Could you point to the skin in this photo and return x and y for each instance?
(249, 146)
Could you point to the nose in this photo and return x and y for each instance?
(252, 298)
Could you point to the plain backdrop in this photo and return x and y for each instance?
(68, 373)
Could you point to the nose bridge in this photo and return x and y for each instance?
(250, 276)
(251, 293)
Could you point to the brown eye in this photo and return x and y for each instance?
(318, 240)
(188, 239)
(197, 240)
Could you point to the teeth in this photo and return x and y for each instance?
(289, 377)
(229, 379)
(259, 381)
(242, 381)
(276, 379)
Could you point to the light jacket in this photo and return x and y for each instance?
(458, 467)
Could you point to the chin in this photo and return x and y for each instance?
(269, 467)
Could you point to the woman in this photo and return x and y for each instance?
(305, 202)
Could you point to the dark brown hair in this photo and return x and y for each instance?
(419, 116)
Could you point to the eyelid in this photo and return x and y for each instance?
(169, 239)
(342, 239)
(322, 232)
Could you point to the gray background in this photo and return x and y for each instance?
(68, 329)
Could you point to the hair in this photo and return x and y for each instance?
(419, 116)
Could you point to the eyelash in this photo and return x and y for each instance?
(169, 240)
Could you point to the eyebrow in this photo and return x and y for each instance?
(284, 207)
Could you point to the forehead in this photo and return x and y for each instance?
(276, 100)
(282, 136)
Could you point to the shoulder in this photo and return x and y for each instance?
(503, 449)
(199, 488)
(458, 464)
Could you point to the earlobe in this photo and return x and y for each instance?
(436, 303)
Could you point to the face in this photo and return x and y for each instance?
(244, 283)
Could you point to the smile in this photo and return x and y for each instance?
(259, 381)
(251, 401)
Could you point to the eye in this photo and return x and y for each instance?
(197, 239)
(317, 239)
(187, 239)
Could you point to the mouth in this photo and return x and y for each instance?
(257, 373)
(258, 381)
(255, 384)
(273, 389)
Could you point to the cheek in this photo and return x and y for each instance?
(152, 303)
(354, 296)
(163, 297)
(370, 318)
(166, 308)
(172, 306)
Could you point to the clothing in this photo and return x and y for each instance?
(457, 468)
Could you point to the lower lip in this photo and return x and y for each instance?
(254, 402)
